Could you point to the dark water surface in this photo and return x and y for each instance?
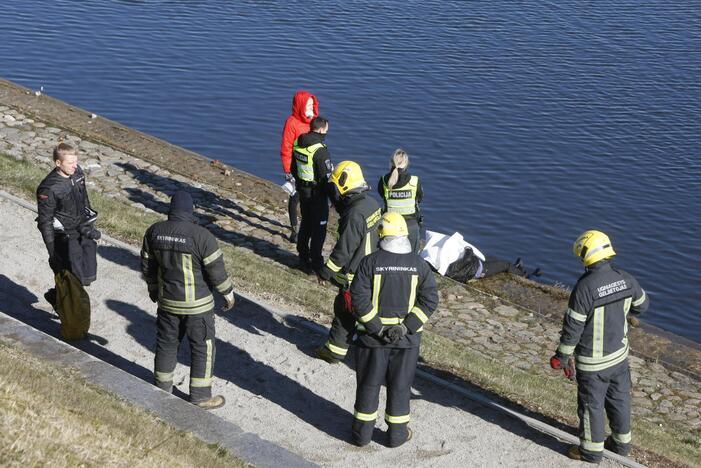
(528, 122)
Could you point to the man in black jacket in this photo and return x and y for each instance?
(394, 293)
(595, 331)
(66, 219)
(357, 237)
(311, 167)
(182, 264)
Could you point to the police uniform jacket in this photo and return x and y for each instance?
(63, 198)
(595, 327)
(390, 289)
(357, 237)
(182, 264)
(321, 164)
(402, 181)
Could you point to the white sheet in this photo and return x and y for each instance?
(441, 250)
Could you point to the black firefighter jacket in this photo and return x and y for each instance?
(357, 237)
(63, 198)
(182, 264)
(390, 289)
(595, 328)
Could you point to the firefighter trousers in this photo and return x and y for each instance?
(342, 328)
(606, 392)
(395, 367)
(199, 329)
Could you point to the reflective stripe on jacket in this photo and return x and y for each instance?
(402, 199)
(304, 159)
(595, 326)
(182, 262)
(391, 289)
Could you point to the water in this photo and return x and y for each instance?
(528, 122)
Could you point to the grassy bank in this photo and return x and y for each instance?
(52, 416)
(550, 396)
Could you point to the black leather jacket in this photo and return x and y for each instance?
(63, 198)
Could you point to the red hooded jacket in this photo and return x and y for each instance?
(296, 124)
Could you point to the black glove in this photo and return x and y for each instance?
(89, 232)
(289, 177)
(55, 264)
(395, 333)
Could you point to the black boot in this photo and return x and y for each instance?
(50, 297)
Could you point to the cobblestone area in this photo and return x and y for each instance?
(508, 333)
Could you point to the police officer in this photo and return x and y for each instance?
(402, 193)
(311, 168)
(66, 219)
(182, 264)
(595, 331)
(394, 293)
(357, 237)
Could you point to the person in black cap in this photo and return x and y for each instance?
(182, 264)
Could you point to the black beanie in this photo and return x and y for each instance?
(181, 202)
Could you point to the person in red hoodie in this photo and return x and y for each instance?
(305, 107)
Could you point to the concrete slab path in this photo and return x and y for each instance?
(263, 368)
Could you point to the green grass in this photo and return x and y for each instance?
(553, 397)
(51, 415)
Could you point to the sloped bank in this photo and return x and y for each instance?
(476, 335)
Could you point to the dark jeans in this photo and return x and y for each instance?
(170, 331)
(312, 230)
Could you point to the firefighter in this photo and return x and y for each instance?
(311, 168)
(357, 237)
(66, 220)
(182, 264)
(594, 342)
(393, 293)
(402, 193)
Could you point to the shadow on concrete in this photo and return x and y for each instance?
(18, 302)
(240, 368)
(260, 246)
(119, 256)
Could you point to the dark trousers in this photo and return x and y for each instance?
(199, 329)
(77, 254)
(394, 367)
(342, 328)
(598, 393)
(292, 209)
(414, 233)
(312, 230)
(493, 265)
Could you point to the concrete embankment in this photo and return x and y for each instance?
(249, 213)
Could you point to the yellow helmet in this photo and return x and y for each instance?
(392, 224)
(347, 176)
(593, 246)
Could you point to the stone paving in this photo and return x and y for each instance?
(508, 333)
